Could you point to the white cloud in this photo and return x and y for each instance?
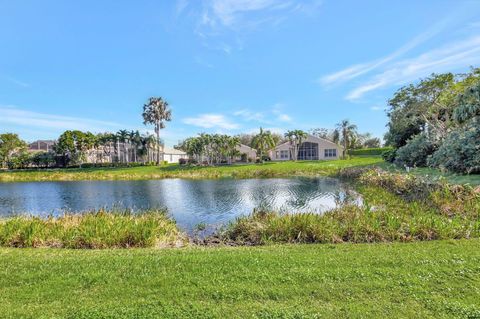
(284, 118)
(376, 108)
(17, 116)
(359, 69)
(227, 11)
(449, 57)
(211, 121)
(248, 115)
(180, 6)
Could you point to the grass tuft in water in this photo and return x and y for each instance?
(92, 230)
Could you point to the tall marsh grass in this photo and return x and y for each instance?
(384, 217)
(94, 230)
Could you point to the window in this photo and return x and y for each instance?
(277, 155)
(284, 155)
(331, 152)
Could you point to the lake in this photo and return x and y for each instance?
(189, 202)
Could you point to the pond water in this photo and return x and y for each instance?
(189, 202)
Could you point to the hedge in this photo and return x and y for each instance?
(369, 151)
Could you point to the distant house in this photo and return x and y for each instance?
(172, 155)
(313, 148)
(250, 153)
(41, 145)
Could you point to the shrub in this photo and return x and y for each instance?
(415, 152)
(460, 151)
(182, 161)
(389, 155)
(369, 151)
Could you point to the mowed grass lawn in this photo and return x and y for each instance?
(438, 279)
(269, 169)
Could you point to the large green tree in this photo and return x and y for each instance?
(156, 113)
(10, 144)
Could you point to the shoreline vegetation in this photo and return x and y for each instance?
(241, 171)
(396, 208)
(268, 169)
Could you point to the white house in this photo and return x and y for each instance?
(172, 155)
(250, 153)
(313, 148)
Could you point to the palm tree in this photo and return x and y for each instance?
(232, 143)
(156, 112)
(295, 137)
(263, 142)
(347, 131)
(136, 141)
(124, 137)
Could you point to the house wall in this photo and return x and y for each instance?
(251, 153)
(275, 155)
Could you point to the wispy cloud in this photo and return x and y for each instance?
(211, 121)
(16, 81)
(248, 115)
(21, 117)
(451, 56)
(357, 70)
(274, 115)
(224, 20)
(376, 108)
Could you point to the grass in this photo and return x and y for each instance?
(438, 279)
(97, 229)
(269, 169)
(435, 174)
(384, 217)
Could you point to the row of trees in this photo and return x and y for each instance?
(218, 148)
(212, 148)
(436, 122)
(75, 147)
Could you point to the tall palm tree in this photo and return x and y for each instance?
(136, 142)
(124, 137)
(296, 138)
(232, 143)
(263, 142)
(346, 131)
(156, 112)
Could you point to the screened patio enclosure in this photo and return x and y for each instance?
(308, 151)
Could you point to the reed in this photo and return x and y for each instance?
(92, 230)
(384, 217)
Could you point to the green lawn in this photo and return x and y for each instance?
(433, 173)
(438, 279)
(270, 169)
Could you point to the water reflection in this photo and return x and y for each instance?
(190, 202)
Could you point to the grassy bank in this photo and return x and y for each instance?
(270, 169)
(384, 217)
(98, 229)
(438, 279)
(434, 174)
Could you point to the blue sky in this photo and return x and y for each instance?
(224, 66)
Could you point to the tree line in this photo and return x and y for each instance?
(74, 147)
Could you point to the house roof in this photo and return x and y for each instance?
(314, 137)
(168, 150)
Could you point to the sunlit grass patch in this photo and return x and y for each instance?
(93, 230)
